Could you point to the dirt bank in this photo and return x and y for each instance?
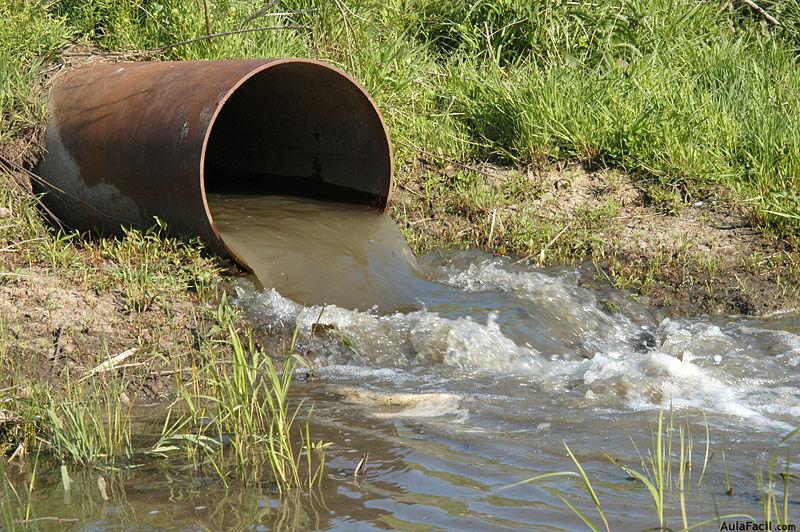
(693, 255)
(69, 304)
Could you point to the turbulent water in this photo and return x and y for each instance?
(462, 373)
(466, 315)
(316, 252)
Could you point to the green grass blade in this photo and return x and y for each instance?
(589, 487)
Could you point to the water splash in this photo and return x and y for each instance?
(562, 339)
(479, 322)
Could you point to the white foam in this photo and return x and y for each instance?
(404, 339)
(737, 369)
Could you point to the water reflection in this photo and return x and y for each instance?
(156, 496)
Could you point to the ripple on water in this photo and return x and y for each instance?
(562, 338)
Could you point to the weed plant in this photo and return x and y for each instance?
(665, 473)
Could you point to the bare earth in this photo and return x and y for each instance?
(695, 257)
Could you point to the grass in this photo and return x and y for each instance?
(29, 41)
(233, 412)
(84, 435)
(682, 94)
(249, 408)
(665, 473)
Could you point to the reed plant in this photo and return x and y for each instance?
(253, 413)
(773, 512)
(239, 415)
(666, 475)
(234, 410)
(89, 424)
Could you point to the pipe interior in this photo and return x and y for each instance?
(300, 129)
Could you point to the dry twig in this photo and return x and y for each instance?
(221, 34)
(110, 364)
(761, 11)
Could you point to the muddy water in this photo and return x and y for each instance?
(468, 376)
(463, 397)
(491, 364)
(314, 253)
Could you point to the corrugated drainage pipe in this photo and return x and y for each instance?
(129, 141)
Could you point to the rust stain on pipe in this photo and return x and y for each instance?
(129, 141)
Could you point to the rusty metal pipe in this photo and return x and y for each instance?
(129, 141)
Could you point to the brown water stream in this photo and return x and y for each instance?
(350, 255)
(461, 374)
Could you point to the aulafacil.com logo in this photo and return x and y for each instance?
(752, 525)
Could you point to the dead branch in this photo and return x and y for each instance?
(110, 364)
(761, 11)
(260, 13)
(221, 34)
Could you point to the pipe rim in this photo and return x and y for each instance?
(221, 104)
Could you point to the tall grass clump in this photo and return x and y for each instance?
(240, 415)
(89, 425)
(254, 414)
(85, 422)
(235, 411)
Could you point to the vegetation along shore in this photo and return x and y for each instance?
(653, 145)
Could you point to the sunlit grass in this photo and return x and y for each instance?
(88, 424)
(665, 474)
(240, 414)
(652, 86)
(234, 411)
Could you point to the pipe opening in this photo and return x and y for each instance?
(300, 128)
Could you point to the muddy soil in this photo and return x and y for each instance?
(53, 329)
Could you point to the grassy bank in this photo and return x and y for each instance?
(693, 102)
(92, 330)
(683, 94)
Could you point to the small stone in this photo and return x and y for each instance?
(5, 213)
(25, 392)
(319, 329)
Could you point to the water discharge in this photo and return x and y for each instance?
(462, 373)
(316, 252)
(505, 360)
(466, 315)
